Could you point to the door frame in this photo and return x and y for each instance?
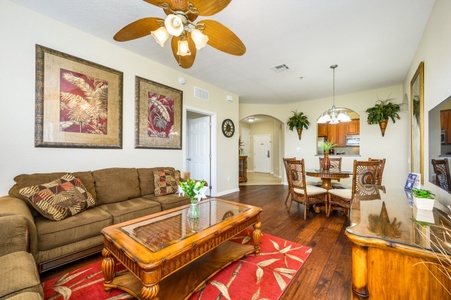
(213, 142)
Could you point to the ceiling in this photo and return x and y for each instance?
(373, 42)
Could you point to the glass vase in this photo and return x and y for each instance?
(193, 211)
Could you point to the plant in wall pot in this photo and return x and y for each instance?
(299, 121)
(423, 199)
(381, 112)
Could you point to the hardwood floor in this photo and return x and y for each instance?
(327, 272)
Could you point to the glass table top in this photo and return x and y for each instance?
(160, 232)
(390, 215)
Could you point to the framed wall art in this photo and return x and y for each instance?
(158, 115)
(78, 103)
(417, 125)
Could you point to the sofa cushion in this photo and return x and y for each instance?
(116, 184)
(25, 180)
(79, 227)
(169, 201)
(146, 179)
(166, 181)
(131, 209)
(59, 199)
(19, 274)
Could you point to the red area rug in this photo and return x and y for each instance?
(265, 276)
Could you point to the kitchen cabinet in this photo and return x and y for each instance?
(337, 133)
(354, 127)
(322, 129)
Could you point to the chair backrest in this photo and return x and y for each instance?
(285, 163)
(442, 176)
(335, 163)
(364, 177)
(296, 175)
(380, 171)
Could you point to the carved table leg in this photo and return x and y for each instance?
(256, 235)
(150, 292)
(108, 267)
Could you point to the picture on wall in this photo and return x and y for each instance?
(78, 103)
(158, 120)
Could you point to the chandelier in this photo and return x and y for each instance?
(334, 115)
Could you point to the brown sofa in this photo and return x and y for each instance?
(120, 194)
(20, 277)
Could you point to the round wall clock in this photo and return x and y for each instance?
(228, 128)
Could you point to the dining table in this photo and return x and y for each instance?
(327, 176)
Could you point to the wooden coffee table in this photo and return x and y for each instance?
(169, 256)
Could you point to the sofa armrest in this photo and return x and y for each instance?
(11, 206)
(14, 233)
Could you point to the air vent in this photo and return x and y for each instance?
(280, 68)
(201, 94)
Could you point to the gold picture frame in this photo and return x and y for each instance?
(417, 124)
(158, 115)
(78, 103)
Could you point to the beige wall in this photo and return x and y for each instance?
(435, 50)
(21, 29)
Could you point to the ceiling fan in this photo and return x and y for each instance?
(187, 36)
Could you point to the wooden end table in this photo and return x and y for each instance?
(170, 256)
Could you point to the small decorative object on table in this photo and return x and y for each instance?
(326, 161)
(424, 199)
(195, 190)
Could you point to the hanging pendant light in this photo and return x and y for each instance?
(334, 115)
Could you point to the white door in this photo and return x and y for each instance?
(262, 153)
(198, 158)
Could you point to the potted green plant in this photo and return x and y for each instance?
(299, 121)
(327, 145)
(423, 199)
(381, 112)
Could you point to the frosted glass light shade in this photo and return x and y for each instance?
(199, 38)
(183, 48)
(173, 24)
(160, 35)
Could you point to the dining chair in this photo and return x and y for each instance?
(380, 170)
(300, 191)
(285, 163)
(364, 180)
(442, 176)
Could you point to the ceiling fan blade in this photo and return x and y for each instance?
(184, 61)
(222, 38)
(210, 7)
(137, 29)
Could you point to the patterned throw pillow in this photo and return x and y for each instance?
(59, 199)
(166, 182)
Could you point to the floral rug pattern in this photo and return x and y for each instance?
(260, 277)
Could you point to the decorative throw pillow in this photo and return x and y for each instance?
(166, 182)
(59, 199)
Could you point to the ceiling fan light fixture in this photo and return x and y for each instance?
(199, 38)
(174, 24)
(183, 48)
(160, 35)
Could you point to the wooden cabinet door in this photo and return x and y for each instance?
(341, 134)
(322, 129)
(354, 127)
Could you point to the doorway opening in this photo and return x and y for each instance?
(262, 140)
(199, 158)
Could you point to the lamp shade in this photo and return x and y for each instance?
(174, 24)
(183, 48)
(160, 35)
(199, 38)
